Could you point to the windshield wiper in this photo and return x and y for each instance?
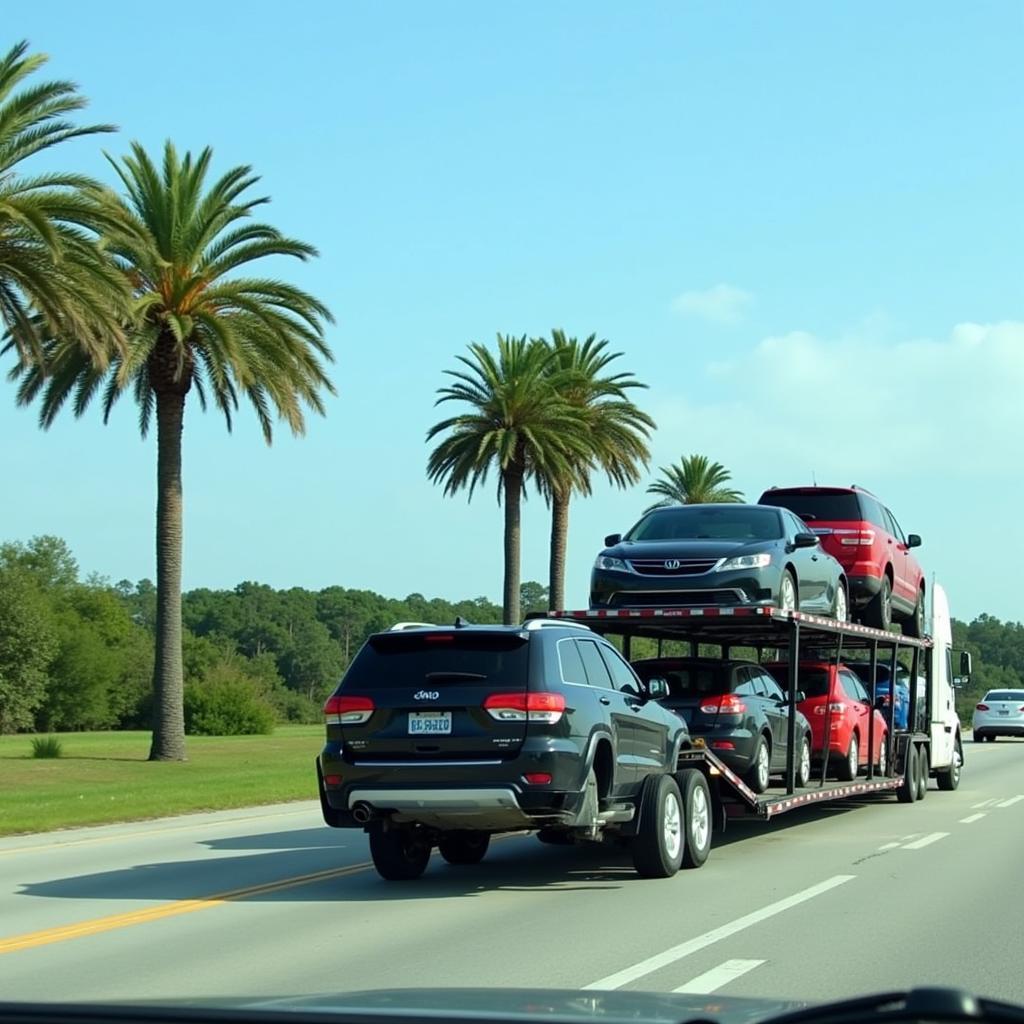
(916, 1004)
(455, 675)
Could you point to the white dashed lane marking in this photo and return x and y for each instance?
(920, 844)
(1009, 803)
(972, 817)
(711, 981)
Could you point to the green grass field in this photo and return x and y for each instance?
(104, 777)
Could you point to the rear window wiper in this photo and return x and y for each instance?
(434, 676)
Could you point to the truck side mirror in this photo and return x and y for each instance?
(965, 663)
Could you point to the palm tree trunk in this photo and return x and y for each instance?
(168, 684)
(512, 494)
(559, 542)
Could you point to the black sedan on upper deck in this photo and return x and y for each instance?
(721, 554)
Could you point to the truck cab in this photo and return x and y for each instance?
(943, 722)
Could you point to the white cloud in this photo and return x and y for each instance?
(722, 304)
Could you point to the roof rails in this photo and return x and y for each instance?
(399, 626)
(544, 623)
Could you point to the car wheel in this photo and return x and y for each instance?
(922, 772)
(878, 612)
(850, 764)
(464, 847)
(760, 767)
(841, 604)
(399, 854)
(696, 795)
(977, 737)
(907, 791)
(789, 598)
(803, 763)
(914, 626)
(883, 755)
(658, 845)
(949, 779)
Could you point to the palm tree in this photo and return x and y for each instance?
(516, 423)
(694, 481)
(614, 436)
(195, 325)
(51, 271)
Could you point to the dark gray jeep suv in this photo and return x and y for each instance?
(445, 736)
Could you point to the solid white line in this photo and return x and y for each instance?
(1009, 803)
(888, 846)
(711, 981)
(972, 817)
(684, 949)
(920, 844)
(985, 803)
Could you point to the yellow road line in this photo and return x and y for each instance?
(62, 933)
(146, 832)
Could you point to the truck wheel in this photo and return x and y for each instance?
(464, 847)
(693, 788)
(658, 845)
(922, 772)
(850, 764)
(949, 779)
(878, 612)
(803, 764)
(399, 854)
(760, 767)
(907, 792)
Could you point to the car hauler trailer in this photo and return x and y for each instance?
(929, 746)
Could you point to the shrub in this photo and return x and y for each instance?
(46, 746)
(226, 707)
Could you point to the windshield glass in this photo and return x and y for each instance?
(724, 523)
(817, 506)
(687, 680)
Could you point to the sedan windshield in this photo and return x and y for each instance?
(700, 523)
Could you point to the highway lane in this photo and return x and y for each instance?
(267, 902)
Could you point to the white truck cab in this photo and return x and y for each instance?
(946, 752)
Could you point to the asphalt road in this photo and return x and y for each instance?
(822, 903)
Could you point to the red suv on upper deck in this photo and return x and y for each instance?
(885, 579)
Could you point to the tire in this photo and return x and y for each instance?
(697, 816)
(878, 612)
(949, 779)
(464, 847)
(922, 772)
(789, 596)
(978, 737)
(883, 756)
(555, 837)
(914, 626)
(803, 763)
(658, 845)
(850, 765)
(907, 792)
(759, 772)
(399, 854)
(841, 604)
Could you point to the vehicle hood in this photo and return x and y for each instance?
(687, 548)
(570, 1006)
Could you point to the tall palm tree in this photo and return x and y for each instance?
(51, 270)
(614, 436)
(196, 325)
(693, 481)
(516, 423)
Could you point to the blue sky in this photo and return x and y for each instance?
(801, 223)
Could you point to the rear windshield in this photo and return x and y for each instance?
(741, 523)
(1005, 695)
(841, 506)
(813, 681)
(687, 681)
(439, 660)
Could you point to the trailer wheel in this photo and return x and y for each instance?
(922, 771)
(696, 816)
(850, 764)
(949, 779)
(907, 792)
(658, 845)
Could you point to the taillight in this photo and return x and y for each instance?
(723, 745)
(981, 707)
(538, 778)
(341, 710)
(836, 709)
(727, 704)
(525, 707)
(857, 538)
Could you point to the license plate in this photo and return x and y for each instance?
(430, 723)
(1004, 712)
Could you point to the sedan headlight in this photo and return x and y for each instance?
(761, 561)
(605, 562)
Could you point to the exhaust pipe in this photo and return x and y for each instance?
(363, 812)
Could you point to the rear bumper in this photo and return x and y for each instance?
(863, 588)
(991, 728)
